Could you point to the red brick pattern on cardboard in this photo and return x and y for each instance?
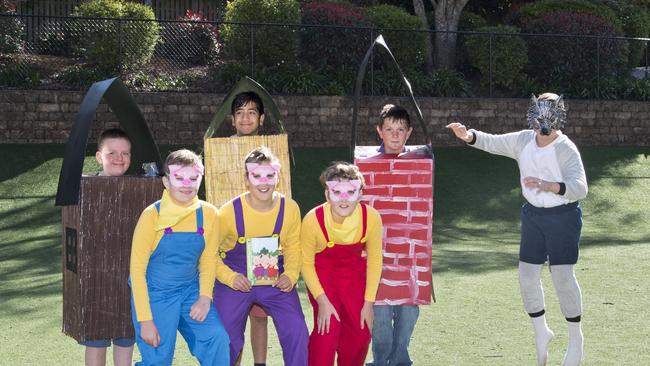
(401, 190)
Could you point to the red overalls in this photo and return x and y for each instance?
(341, 270)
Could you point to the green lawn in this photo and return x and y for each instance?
(478, 320)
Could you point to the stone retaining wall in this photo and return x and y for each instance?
(45, 116)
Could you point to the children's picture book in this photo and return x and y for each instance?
(262, 256)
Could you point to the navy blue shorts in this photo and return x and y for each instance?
(104, 343)
(551, 234)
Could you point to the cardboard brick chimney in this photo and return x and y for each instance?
(400, 187)
(98, 216)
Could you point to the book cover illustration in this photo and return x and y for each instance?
(262, 260)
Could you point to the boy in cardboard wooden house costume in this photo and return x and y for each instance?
(99, 212)
(250, 109)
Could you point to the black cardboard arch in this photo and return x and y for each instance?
(246, 84)
(357, 93)
(131, 120)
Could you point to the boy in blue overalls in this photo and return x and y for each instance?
(173, 261)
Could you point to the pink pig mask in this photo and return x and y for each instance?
(347, 190)
(191, 176)
(263, 174)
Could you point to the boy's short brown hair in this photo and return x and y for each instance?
(341, 170)
(259, 155)
(111, 133)
(182, 157)
(395, 113)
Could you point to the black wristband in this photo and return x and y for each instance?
(473, 139)
(562, 190)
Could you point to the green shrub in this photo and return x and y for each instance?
(443, 83)
(407, 47)
(638, 90)
(18, 73)
(272, 45)
(470, 21)
(635, 20)
(508, 54)
(11, 29)
(81, 76)
(564, 61)
(333, 48)
(116, 45)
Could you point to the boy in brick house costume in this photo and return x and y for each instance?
(341, 249)
(394, 319)
(552, 180)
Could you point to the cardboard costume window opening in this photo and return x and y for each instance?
(400, 187)
(98, 216)
(224, 156)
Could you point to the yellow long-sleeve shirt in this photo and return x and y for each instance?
(312, 242)
(259, 224)
(145, 241)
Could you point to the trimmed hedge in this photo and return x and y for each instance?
(407, 47)
(509, 55)
(112, 46)
(273, 45)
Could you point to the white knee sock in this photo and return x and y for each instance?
(567, 289)
(530, 285)
(543, 336)
(532, 293)
(573, 354)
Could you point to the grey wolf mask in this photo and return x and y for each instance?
(546, 115)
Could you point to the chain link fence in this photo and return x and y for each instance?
(200, 56)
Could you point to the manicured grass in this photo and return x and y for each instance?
(478, 319)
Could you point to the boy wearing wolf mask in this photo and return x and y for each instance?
(552, 180)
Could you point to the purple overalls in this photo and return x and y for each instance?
(283, 307)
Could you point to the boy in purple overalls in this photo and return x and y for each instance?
(260, 214)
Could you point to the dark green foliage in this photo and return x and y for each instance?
(638, 90)
(18, 73)
(407, 46)
(635, 22)
(567, 61)
(118, 44)
(333, 48)
(273, 45)
(508, 54)
(11, 29)
(443, 83)
(81, 76)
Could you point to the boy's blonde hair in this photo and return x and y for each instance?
(259, 155)
(182, 157)
(341, 170)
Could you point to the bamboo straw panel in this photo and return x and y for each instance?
(224, 165)
(96, 297)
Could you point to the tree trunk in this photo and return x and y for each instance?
(418, 5)
(447, 15)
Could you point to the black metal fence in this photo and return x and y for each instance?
(72, 52)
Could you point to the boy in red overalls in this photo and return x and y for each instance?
(341, 250)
